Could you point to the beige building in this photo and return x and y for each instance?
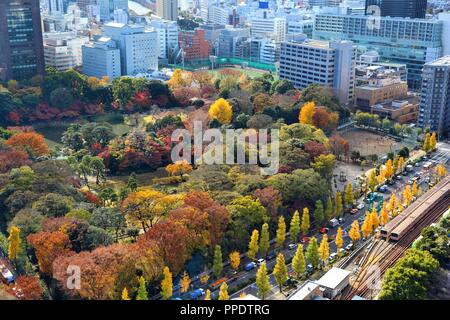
(167, 9)
(400, 111)
(379, 91)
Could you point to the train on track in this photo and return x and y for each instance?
(438, 198)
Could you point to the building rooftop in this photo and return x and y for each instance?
(304, 291)
(444, 61)
(333, 278)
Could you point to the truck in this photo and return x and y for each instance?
(197, 293)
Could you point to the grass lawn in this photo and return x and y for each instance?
(252, 73)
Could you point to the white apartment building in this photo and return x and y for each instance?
(62, 50)
(218, 14)
(326, 63)
(269, 52)
(101, 58)
(138, 47)
(167, 33)
(107, 7)
(266, 24)
(167, 9)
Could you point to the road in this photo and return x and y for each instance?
(440, 156)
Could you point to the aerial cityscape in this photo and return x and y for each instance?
(236, 150)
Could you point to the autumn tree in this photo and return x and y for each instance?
(270, 198)
(415, 189)
(348, 195)
(294, 228)
(305, 225)
(384, 216)
(433, 141)
(312, 253)
(281, 232)
(208, 294)
(307, 113)
(264, 240)
(48, 246)
(253, 245)
(339, 146)
(179, 168)
(339, 240)
(407, 195)
(14, 243)
(30, 142)
(235, 259)
(185, 282)
(142, 290)
(367, 225)
(280, 271)
(166, 284)
(124, 295)
(426, 144)
(388, 169)
(372, 180)
(223, 292)
(375, 219)
(354, 233)
(221, 110)
(298, 262)
(401, 163)
(324, 249)
(217, 262)
(30, 287)
(441, 171)
(262, 281)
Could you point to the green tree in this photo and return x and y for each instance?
(280, 271)
(329, 209)
(312, 253)
(142, 291)
(218, 262)
(294, 229)
(318, 214)
(262, 281)
(281, 232)
(372, 180)
(132, 183)
(264, 241)
(298, 262)
(339, 210)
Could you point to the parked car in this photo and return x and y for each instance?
(410, 182)
(250, 266)
(398, 177)
(383, 188)
(197, 293)
(323, 230)
(309, 268)
(417, 164)
(305, 240)
(292, 246)
(354, 211)
(341, 220)
(349, 247)
(332, 257)
(260, 261)
(360, 205)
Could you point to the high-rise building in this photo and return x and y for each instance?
(107, 8)
(167, 32)
(55, 7)
(21, 49)
(194, 45)
(408, 41)
(138, 47)
(398, 8)
(327, 63)
(84, 3)
(434, 108)
(167, 9)
(62, 50)
(268, 25)
(101, 59)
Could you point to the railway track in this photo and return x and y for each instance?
(383, 254)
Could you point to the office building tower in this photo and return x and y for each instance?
(21, 49)
(83, 4)
(268, 25)
(326, 63)
(55, 7)
(101, 59)
(62, 50)
(167, 9)
(228, 38)
(107, 8)
(194, 45)
(434, 108)
(398, 8)
(167, 32)
(406, 41)
(138, 47)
